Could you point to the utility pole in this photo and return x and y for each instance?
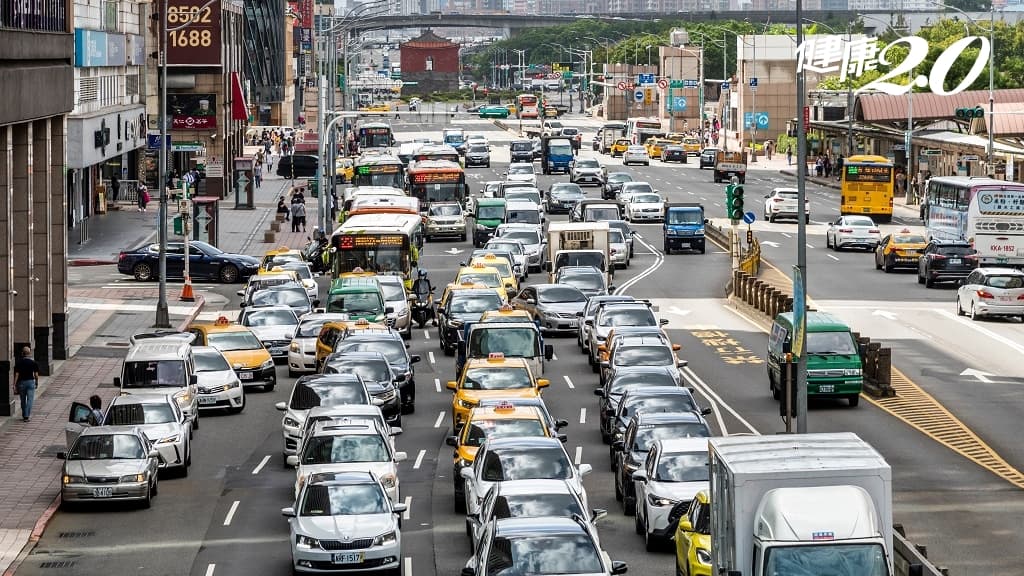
(800, 271)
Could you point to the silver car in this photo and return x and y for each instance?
(302, 350)
(636, 155)
(343, 521)
(618, 248)
(109, 463)
(273, 325)
(533, 240)
(218, 385)
(587, 171)
(555, 306)
(395, 297)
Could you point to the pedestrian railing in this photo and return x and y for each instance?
(128, 193)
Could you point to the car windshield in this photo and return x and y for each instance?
(490, 212)
(619, 177)
(568, 194)
(445, 210)
(587, 164)
(562, 505)
(786, 194)
(560, 295)
(636, 187)
(583, 280)
(908, 239)
(130, 414)
(524, 216)
(489, 279)
(502, 268)
(280, 298)
(859, 221)
(343, 500)
(480, 430)
(532, 463)
(210, 361)
(270, 318)
(368, 369)
(658, 403)
(520, 168)
(342, 448)
(514, 342)
(523, 195)
(522, 146)
(685, 217)
(393, 350)
(539, 555)
(309, 395)
(646, 198)
(497, 378)
(474, 304)
(627, 317)
(356, 303)
(843, 559)
(601, 213)
(107, 447)
(615, 236)
(527, 237)
(299, 268)
(642, 378)
(646, 435)
(644, 356)
(1006, 281)
(310, 328)
(831, 343)
(232, 341)
(682, 467)
(513, 247)
(478, 149)
(154, 373)
(393, 292)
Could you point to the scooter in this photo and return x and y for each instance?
(313, 252)
(422, 306)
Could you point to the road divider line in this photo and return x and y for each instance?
(553, 357)
(210, 568)
(419, 460)
(659, 259)
(832, 257)
(437, 384)
(786, 235)
(707, 391)
(583, 415)
(810, 246)
(568, 381)
(426, 334)
(579, 455)
(440, 418)
(231, 513)
(430, 356)
(407, 566)
(260, 466)
(985, 331)
(408, 508)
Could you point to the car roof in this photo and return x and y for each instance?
(268, 307)
(669, 370)
(498, 412)
(649, 418)
(996, 270)
(642, 341)
(504, 362)
(579, 270)
(308, 379)
(524, 526)
(676, 445)
(346, 427)
(527, 487)
(641, 390)
(356, 355)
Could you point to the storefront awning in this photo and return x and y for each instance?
(239, 107)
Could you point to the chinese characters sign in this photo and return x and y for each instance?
(852, 58)
(1001, 202)
(193, 33)
(350, 241)
(192, 111)
(436, 177)
(862, 173)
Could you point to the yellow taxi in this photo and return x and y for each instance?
(677, 137)
(481, 274)
(506, 314)
(618, 148)
(335, 330)
(693, 538)
(512, 109)
(502, 420)
(242, 349)
(691, 145)
(504, 268)
(493, 377)
(899, 250)
(386, 107)
(344, 168)
(279, 256)
(655, 146)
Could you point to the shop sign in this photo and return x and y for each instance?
(186, 147)
(193, 33)
(192, 111)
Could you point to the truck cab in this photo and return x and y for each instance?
(556, 154)
(684, 227)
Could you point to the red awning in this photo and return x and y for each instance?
(239, 107)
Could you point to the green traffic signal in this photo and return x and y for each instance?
(736, 203)
(970, 113)
(728, 197)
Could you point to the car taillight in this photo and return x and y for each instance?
(776, 199)
(971, 257)
(1021, 297)
(874, 231)
(846, 230)
(937, 256)
(985, 294)
(122, 256)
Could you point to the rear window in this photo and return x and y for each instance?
(956, 250)
(787, 195)
(522, 146)
(1005, 281)
(154, 373)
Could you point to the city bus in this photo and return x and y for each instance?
(438, 181)
(987, 213)
(377, 169)
(381, 242)
(638, 130)
(374, 136)
(866, 187)
(436, 152)
(527, 106)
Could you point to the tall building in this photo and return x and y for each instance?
(265, 54)
(37, 91)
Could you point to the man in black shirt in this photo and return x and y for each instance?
(26, 377)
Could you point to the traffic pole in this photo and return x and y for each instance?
(186, 218)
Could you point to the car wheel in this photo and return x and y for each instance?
(195, 421)
(807, 219)
(148, 502)
(229, 274)
(878, 265)
(854, 400)
(651, 542)
(460, 502)
(776, 393)
(238, 410)
(638, 527)
(929, 283)
(887, 267)
(143, 272)
(771, 217)
(920, 278)
(156, 484)
(974, 314)
(628, 505)
(618, 492)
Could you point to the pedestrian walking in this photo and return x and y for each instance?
(298, 216)
(95, 410)
(26, 377)
(769, 147)
(143, 197)
(115, 189)
(258, 176)
(789, 155)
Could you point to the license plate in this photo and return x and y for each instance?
(102, 492)
(277, 351)
(245, 376)
(347, 558)
(207, 400)
(573, 323)
(954, 262)
(826, 388)
(1005, 298)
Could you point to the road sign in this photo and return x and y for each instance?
(648, 94)
(556, 74)
(621, 85)
(969, 158)
(762, 120)
(663, 83)
(567, 74)
(753, 84)
(749, 218)
(725, 85)
(678, 103)
(690, 84)
(675, 84)
(638, 96)
(931, 152)
(758, 118)
(645, 79)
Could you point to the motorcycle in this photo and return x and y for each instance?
(313, 252)
(421, 303)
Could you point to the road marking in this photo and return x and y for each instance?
(231, 513)
(981, 376)
(440, 418)
(437, 384)
(407, 566)
(717, 204)
(210, 568)
(884, 314)
(260, 466)
(832, 257)
(426, 334)
(786, 235)
(706, 390)
(703, 198)
(419, 460)
(583, 415)
(430, 356)
(579, 455)
(809, 246)
(569, 382)
(974, 326)
(659, 260)
(553, 357)
(408, 508)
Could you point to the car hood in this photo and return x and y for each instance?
(635, 205)
(345, 527)
(561, 307)
(242, 259)
(677, 491)
(588, 170)
(157, 431)
(214, 379)
(305, 344)
(281, 332)
(521, 178)
(104, 467)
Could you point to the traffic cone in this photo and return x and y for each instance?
(186, 291)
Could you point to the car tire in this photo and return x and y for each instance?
(618, 492)
(638, 526)
(628, 505)
(143, 272)
(887, 267)
(877, 265)
(974, 314)
(269, 387)
(195, 421)
(771, 217)
(920, 278)
(229, 274)
(959, 308)
(462, 237)
(449, 351)
(929, 283)
(148, 502)
(156, 484)
(239, 408)
(651, 542)
(776, 393)
(854, 400)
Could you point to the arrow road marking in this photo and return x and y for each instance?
(769, 243)
(981, 376)
(884, 314)
(677, 310)
(453, 251)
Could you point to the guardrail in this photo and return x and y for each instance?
(910, 559)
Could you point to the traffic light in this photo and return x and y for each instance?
(728, 198)
(970, 113)
(736, 203)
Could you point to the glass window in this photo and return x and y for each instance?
(537, 506)
(356, 303)
(504, 378)
(659, 403)
(691, 467)
(270, 318)
(840, 560)
(343, 500)
(1006, 282)
(627, 317)
(107, 447)
(513, 342)
(210, 361)
(644, 378)
(480, 430)
(280, 298)
(310, 328)
(340, 449)
(646, 435)
(644, 356)
(831, 343)
(309, 395)
(561, 294)
(477, 303)
(536, 555)
(154, 373)
(367, 369)
(231, 341)
(527, 464)
(130, 414)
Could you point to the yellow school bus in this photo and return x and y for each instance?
(867, 187)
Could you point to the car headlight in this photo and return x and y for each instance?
(465, 403)
(267, 364)
(386, 396)
(703, 556)
(132, 478)
(852, 372)
(305, 542)
(698, 232)
(389, 481)
(455, 323)
(68, 479)
(169, 439)
(183, 398)
(232, 384)
(463, 463)
(481, 227)
(293, 347)
(660, 500)
(290, 422)
(386, 538)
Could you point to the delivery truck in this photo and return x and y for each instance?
(729, 164)
(578, 244)
(808, 504)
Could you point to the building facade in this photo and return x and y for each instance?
(266, 61)
(432, 62)
(37, 91)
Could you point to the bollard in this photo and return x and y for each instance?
(773, 296)
(279, 216)
(762, 296)
(787, 305)
(755, 294)
(883, 370)
(275, 226)
(269, 237)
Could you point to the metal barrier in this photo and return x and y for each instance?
(128, 192)
(907, 556)
(750, 259)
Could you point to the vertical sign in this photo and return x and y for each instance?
(807, 118)
(193, 33)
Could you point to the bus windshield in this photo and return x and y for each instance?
(380, 253)
(438, 186)
(376, 136)
(379, 175)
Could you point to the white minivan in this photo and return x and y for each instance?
(162, 366)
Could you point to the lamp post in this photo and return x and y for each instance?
(800, 272)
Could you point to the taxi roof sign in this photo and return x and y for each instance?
(479, 265)
(222, 321)
(504, 406)
(362, 322)
(905, 231)
(496, 356)
(506, 308)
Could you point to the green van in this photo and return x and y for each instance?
(360, 298)
(833, 361)
(488, 214)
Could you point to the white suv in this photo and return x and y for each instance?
(636, 155)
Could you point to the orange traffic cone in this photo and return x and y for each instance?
(186, 291)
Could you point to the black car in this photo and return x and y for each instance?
(375, 371)
(521, 151)
(206, 263)
(613, 389)
(614, 183)
(673, 154)
(707, 158)
(395, 350)
(637, 399)
(298, 166)
(946, 261)
(463, 306)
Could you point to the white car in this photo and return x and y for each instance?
(353, 445)
(347, 412)
(521, 172)
(645, 207)
(302, 350)
(218, 385)
(636, 155)
(397, 298)
(533, 239)
(317, 390)
(526, 195)
(306, 276)
(782, 203)
(520, 458)
(852, 231)
(627, 190)
(618, 248)
(528, 499)
(273, 325)
(675, 470)
(160, 419)
(477, 140)
(344, 520)
(991, 292)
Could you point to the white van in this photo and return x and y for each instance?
(162, 366)
(523, 212)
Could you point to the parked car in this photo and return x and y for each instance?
(206, 262)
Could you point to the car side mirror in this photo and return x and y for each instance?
(414, 358)
(466, 473)
(401, 456)
(640, 475)
(611, 287)
(705, 411)
(467, 571)
(376, 402)
(292, 461)
(117, 381)
(396, 431)
(663, 322)
(543, 383)
(452, 385)
(597, 514)
(585, 469)
(676, 347)
(452, 441)
(240, 293)
(399, 508)
(682, 364)
(706, 221)
(281, 406)
(562, 438)
(618, 445)
(288, 512)
(559, 424)
(599, 392)
(241, 305)
(619, 567)
(684, 524)
(62, 456)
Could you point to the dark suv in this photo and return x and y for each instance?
(945, 262)
(297, 166)
(521, 151)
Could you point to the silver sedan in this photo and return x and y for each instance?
(110, 463)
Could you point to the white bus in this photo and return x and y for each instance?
(987, 213)
(638, 130)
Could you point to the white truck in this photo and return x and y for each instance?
(800, 505)
(578, 244)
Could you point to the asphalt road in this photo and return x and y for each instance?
(224, 518)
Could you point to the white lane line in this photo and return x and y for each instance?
(579, 455)
(659, 259)
(437, 384)
(419, 460)
(231, 513)
(260, 466)
(583, 415)
(832, 257)
(426, 334)
(703, 198)
(440, 418)
(689, 192)
(569, 382)
(809, 245)
(210, 568)
(717, 204)
(973, 326)
(786, 235)
(408, 508)
(407, 566)
(706, 390)
(430, 356)
(553, 357)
